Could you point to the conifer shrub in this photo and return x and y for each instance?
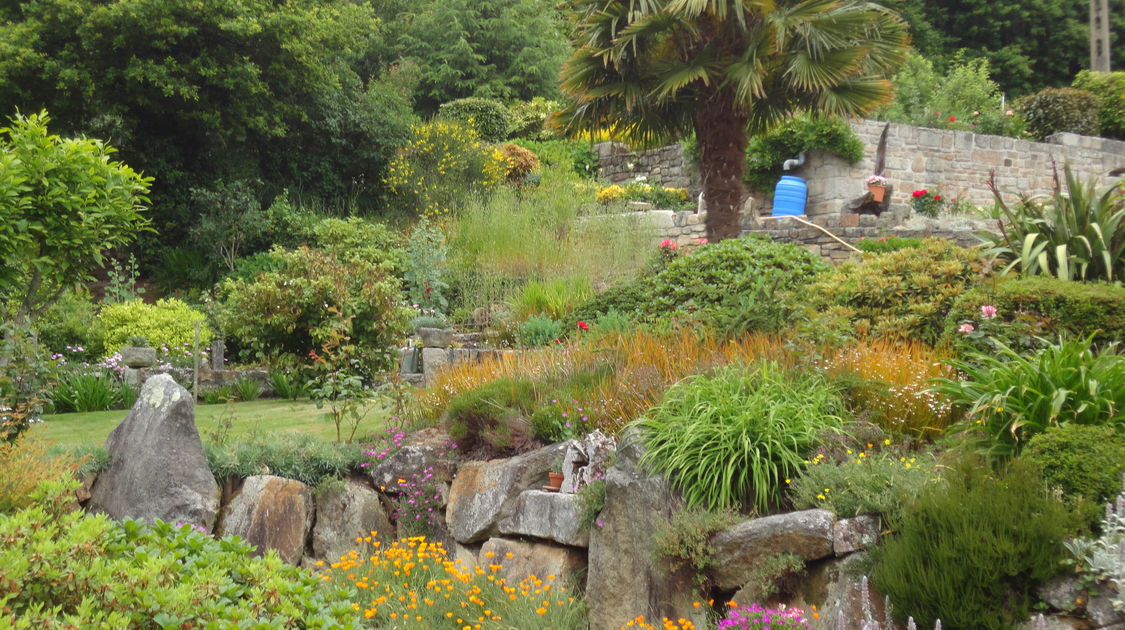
(971, 550)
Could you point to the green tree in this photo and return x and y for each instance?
(62, 203)
(657, 69)
(501, 49)
(196, 92)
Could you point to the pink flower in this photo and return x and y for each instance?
(702, 240)
(988, 311)
(966, 328)
(668, 244)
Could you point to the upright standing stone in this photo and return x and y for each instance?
(271, 513)
(157, 468)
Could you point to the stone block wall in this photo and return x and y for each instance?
(957, 163)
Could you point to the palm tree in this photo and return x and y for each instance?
(654, 70)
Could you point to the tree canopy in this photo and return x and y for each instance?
(63, 202)
(659, 69)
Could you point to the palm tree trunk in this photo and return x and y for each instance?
(720, 130)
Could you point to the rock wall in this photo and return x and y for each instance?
(957, 163)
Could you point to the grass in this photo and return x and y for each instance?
(246, 418)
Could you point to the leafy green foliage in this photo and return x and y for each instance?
(1082, 461)
(1109, 89)
(292, 456)
(1011, 398)
(554, 299)
(708, 277)
(168, 322)
(199, 94)
(26, 371)
(359, 240)
(886, 244)
(568, 155)
(67, 323)
(1055, 110)
(878, 482)
(1076, 235)
(491, 415)
(84, 571)
(499, 49)
(685, 539)
(970, 551)
(62, 203)
(766, 152)
(1040, 306)
(539, 330)
(964, 98)
(230, 220)
(25, 464)
(900, 294)
(491, 119)
(737, 434)
(82, 391)
(529, 119)
(287, 312)
(590, 499)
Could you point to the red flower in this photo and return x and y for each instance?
(583, 326)
(919, 193)
(952, 119)
(937, 197)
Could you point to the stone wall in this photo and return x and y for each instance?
(957, 163)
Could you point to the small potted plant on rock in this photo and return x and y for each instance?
(137, 353)
(877, 186)
(434, 330)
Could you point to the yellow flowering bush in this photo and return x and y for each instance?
(443, 162)
(663, 197)
(412, 583)
(609, 194)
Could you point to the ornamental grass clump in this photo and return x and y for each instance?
(412, 583)
(733, 436)
(1008, 398)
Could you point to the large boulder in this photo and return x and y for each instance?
(625, 578)
(807, 534)
(345, 514)
(483, 493)
(855, 534)
(157, 468)
(549, 515)
(423, 452)
(271, 513)
(518, 560)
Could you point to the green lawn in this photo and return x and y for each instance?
(259, 416)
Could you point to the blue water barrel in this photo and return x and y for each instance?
(789, 196)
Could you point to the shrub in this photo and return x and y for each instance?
(1082, 461)
(708, 278)
(169, 322)
(888, 382)
(83, 391)
(885, 244)
(685, 539)
(289, 385)
(869, 481)
(359, 240)
(624, 299)
(248, 389)
(529, 119)
(432, 175)
(566, 155)
(521, 162)
(24, 465)
(765, 153)
(295, 310)
(95, 573)
(1076, 235)
(412, 583)
(220, 394)
(1039, 306)
(26, 371)
(926, 203)
(1109, 89)
(903, 294)
(539, 330)
(66, 324)
(737, 434)
(490, 119)
(971, 550)
(590, 500)
(292, 456)
(492, 415)
(1054, 110)
(1011, 398)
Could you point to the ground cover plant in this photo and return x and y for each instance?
(66, 568)
(732, 437)
(412, 582)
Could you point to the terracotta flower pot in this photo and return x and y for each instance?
(876, 191)
(555, 480)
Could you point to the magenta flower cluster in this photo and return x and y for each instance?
(755, 617)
